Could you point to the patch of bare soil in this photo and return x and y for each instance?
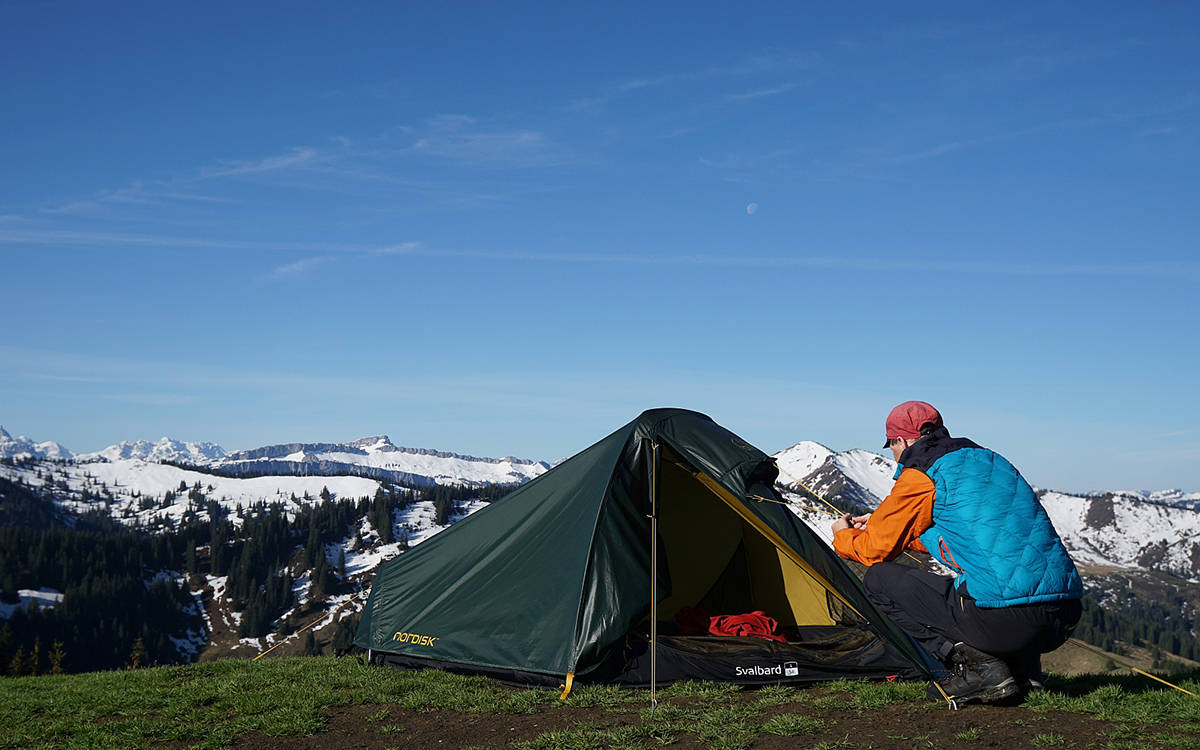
(900, 727)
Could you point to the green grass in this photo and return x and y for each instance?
(213, 705)
(792, 725)
(1128, 699)
(853, 696)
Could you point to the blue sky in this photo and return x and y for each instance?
(508, 228)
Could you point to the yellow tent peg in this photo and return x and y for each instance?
(566, 689)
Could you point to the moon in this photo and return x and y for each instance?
(751, 208)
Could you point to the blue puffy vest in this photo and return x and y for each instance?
(989, 526)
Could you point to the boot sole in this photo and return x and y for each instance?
(1006, 689)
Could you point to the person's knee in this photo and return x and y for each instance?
(880, 579)
(871, 577)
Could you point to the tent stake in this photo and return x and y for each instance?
(654, 579)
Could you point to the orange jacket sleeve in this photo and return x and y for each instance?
(895, 525)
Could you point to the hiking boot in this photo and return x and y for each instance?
(1027, 672)
(973, 675)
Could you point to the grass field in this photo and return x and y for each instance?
(329, 703)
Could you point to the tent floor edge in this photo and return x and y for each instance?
(749, 662)
(513, 677)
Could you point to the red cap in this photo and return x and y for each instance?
(906, 419)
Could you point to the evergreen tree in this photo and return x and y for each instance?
(18, 665)
(310, 645)
(5, 645)
(35, 657)
(58, 657)
(343, 637)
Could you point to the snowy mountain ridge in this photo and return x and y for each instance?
(374, 456)
(1152, 530)
(367, 446)
(859, 478)
(378, 457)
(164, 449)
(155, 486)
(22, 446)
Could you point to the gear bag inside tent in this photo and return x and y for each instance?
(599, 570)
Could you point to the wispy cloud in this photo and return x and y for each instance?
(1083, 123)
(764, 92)
(300, 267)
(298, 157)
(768, 61)
(329, 253)
(396, 161)
(66, 238)
(864, 264)
(643, 83)
(771, 62)
(596, 104)
(487, 149)
(1150, 132)
(151, 399)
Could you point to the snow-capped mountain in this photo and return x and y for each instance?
(23, 447)
(378, 457)
(165, 449)
(1175, 498)
(154, 486)
(856, 479)
(1127, 530)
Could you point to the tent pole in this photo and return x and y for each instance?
(654, 579)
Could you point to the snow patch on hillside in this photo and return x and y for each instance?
(31, 599)
(134, 491)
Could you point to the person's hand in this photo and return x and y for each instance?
(842, 523)
(860, 522)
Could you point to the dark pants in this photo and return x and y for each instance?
(927, 607)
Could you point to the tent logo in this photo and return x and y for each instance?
(742, 444)
(413, 638)
(787, 669)
(757, 671)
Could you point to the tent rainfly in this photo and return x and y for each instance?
(578, 576)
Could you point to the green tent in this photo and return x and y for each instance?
(556, 582)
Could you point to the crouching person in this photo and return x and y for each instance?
(1016, 592)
